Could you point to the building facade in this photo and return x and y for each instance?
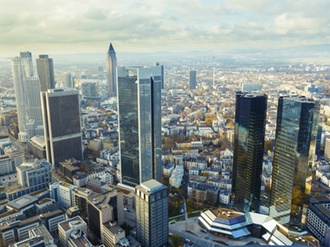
(45, 70)
(61, 117)
(192, 80)
(27, 89)
(296, 133)
(250, 119)
(111, 66)
(152, 214)
(139, 107)
(318, 218)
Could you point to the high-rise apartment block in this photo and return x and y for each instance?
(27, 88)
(111, 66)
(45, 70)
(62, 131)
(152, 214)
(139, 107)
(296, 133)
(192, 80)
(250, 120)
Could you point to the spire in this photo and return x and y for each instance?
(111, 47)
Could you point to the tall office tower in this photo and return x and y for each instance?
(111, 64)
(68, 80)
(27, 62)
(162, 71)
(296, 132)
(250, 119)
(27, 89)
(139, 107)
(45, 70)
(62, 131)
(151, 198)
(192, 80)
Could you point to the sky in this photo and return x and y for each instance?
(84, 26)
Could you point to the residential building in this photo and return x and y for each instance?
(152, 213)
(250, 120)
(139, 110)
(296, 132)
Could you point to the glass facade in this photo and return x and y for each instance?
(248, 150)
(45, 70)
(296, 134)
(62, 131)
(139, 103)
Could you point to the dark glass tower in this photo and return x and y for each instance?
(111, 65)
(151, 199)
(296, 133)
(45, 70)
(192, 79)
(139, 107)
(62, 131)
(250, 122)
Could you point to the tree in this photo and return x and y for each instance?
(176, 240)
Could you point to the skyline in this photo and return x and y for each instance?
(143, 26)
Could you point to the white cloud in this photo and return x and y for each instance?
(61, 25)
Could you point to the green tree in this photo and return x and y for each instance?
(176, 240)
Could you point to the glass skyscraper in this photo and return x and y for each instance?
(45, 70)
(139, 108)
(62, 130)
(249, 133)
(296, 134)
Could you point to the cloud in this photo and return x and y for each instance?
(61, 25)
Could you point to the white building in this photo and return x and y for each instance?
(62, 193)
(27, 93)
(177, 175)
(71, 230)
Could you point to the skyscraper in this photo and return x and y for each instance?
(296, 132)
(192, 79)
(151, 199)
(111, 64)
(68, 80)
(62, 131)
(162, 72)
(250, 122)
(45, 70)
(139, 108)
(27, 89)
